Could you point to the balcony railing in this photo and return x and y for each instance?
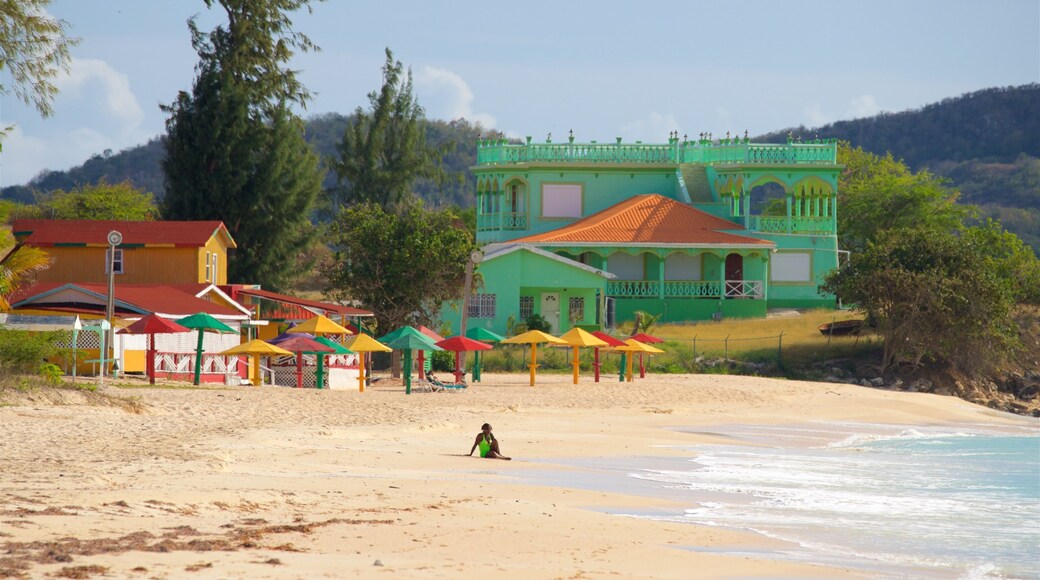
(505, 221)
(791, 225)
(725, 151)
(684, 289)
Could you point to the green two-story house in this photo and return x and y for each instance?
(590, 233)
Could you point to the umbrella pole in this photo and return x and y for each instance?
(575, 365)
(319, 374)
(150, 359)
(422, 365)
(534, 360)
(642, 368)
(408, 371)
(256, 370)
(621, 367)
(595, 362)
(299, 370)
(458, 365)
(476, 366)
(631, 359)
(361, 372)
(198, 359)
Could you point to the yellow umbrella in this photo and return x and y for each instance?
(633, 346)
(578, 338)
(320, 324)
(533, 337)
(361, 344)
(257, 348)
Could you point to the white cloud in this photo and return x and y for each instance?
(445, 95)
(814, 115)
(862, 106)
(116, 99)
(653, 129)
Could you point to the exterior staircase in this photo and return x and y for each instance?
(696, 179)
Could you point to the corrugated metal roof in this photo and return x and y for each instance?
(144, 297)
(647, 219)
(95, 232)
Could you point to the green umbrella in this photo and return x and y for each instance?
(319, 374)
(202, 322)
(483, 335)
(408, 339)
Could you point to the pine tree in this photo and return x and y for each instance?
(235, 152)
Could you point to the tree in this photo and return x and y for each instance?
(102, 201)
(384, 151)
(878, 193)
(933, 297)
(401, 266)
(18, 265)
(235, 151)
(33, 50)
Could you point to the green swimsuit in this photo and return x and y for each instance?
(485, 445)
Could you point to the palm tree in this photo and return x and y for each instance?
(19, 264)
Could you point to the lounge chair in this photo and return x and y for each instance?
(437, 383)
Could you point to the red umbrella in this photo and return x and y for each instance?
(151, 325)
(459, 345)
(301, 344)
(610, 340)
(645, 339)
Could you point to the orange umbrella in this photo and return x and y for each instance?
(534, 338)
(633, 346)
(361, 344)
(256, 348)
(579, 338)
(645, 339)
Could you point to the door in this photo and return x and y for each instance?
(551, 310)
(734, 276)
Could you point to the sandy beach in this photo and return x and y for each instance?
(274, 482)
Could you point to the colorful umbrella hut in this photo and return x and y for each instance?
(299, 344)
(579, 338)
(321, 325)
(483, 335)
(151, 325)
(645, 339)
(434, 338)
(533, 338)
(256, 348)
(611, 342)
(362, 343)
(203, 322)
(459, 345)
(418, 333)
(408, 339)
(632, 346)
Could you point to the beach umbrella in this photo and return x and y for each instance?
(319, 324)
(362, 343)
(611, 341)
(645, 339)
(633, 346)
(579, 338)
(302, 343)
(202, 322)
(434, 338)
(418, 333)
(151, 325)
(533, 338)
(407, 341)
(256, 348)
(459, 345)
(483, 335)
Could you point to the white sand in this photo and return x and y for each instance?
(274, 482)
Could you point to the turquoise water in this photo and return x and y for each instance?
(894, 502)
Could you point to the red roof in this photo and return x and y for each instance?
(151, 298)
(647, 219)
(326, 306)
(95, 232)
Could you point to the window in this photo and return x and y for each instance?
(576, 309)
(791, 267)
(482, 306)
(209, 274)
(526, 307)
(216, 271)
(625, 266)
(117, 264)
(682, 267)
(561, 201)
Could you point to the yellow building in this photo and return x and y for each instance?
(165, 252)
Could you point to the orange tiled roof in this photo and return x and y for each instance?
(647, 219)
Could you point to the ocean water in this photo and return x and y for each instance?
(895, 502)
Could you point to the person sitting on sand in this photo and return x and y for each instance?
(488, 444)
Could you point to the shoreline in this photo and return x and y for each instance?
(273, 482)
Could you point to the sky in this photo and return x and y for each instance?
(604, 69)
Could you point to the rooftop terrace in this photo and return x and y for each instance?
(706, 151)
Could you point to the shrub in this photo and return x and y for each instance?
(22, 352)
